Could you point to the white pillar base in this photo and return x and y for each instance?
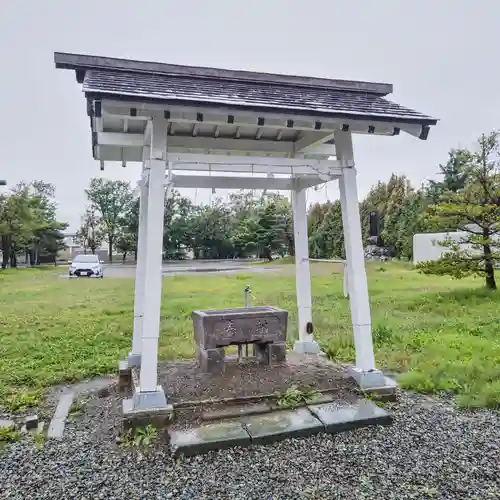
(150, 400)
(368, 380)
(133, 360)
(306, 347)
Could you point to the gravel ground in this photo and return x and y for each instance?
(432, 451)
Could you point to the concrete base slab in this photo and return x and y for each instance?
(208, 437)
(387, 392)
(339, 418)
(148, 400)
(133, 359)
(157, 416)
(272, 427)
(306, 347)
(367, 379)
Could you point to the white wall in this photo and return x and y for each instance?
(425, 246)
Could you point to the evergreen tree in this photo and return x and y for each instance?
(454, 174)
(475, 211)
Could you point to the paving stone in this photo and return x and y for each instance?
(342, 417)
(56, 427)
(5, 424)
(279, 425)
(208, 437)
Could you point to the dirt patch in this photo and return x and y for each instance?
(183, 381)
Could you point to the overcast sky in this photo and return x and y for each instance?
(440, 55)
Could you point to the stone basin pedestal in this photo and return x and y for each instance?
(215, 329)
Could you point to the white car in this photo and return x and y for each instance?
(86, 265)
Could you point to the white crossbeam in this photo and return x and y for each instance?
(120, 139)
(180, 158)
(227, 182)
(327, 172)
(175, 143)
(328, 169)
(240, 145)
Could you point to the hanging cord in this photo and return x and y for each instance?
(213, 189)
(253, 193)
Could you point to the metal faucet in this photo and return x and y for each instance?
(248, 291)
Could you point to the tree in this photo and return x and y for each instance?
(394, 225)
(454, 174)
(411, 220)
(176, 224)
(111, 199)
(125, 242)
(326, 231)
(48, 236)
(16, 218)
(90, 235)
(285, 219)
(271, 232)
(474, 210)
(28, 224)
(245, 237)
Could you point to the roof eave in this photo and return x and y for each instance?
(423, 121)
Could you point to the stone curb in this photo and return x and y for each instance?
(267, 428)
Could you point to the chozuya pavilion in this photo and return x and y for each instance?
(283, 132)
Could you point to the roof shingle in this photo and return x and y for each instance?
(297, 99)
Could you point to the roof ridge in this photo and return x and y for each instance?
(82, 62)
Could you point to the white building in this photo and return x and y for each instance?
(74, 248)
(426, 246)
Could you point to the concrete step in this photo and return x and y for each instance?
(331, 417)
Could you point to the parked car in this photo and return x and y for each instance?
(86, 265)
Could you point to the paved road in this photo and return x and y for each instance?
(120, 270)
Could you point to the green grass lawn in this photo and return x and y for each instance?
(442, 335)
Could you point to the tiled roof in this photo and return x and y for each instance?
(258, 95)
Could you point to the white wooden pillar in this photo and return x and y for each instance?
(306, 342)
(364, 372)
(149, 394)
(134, 357)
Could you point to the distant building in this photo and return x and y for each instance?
(74, 248)
(426, 245)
